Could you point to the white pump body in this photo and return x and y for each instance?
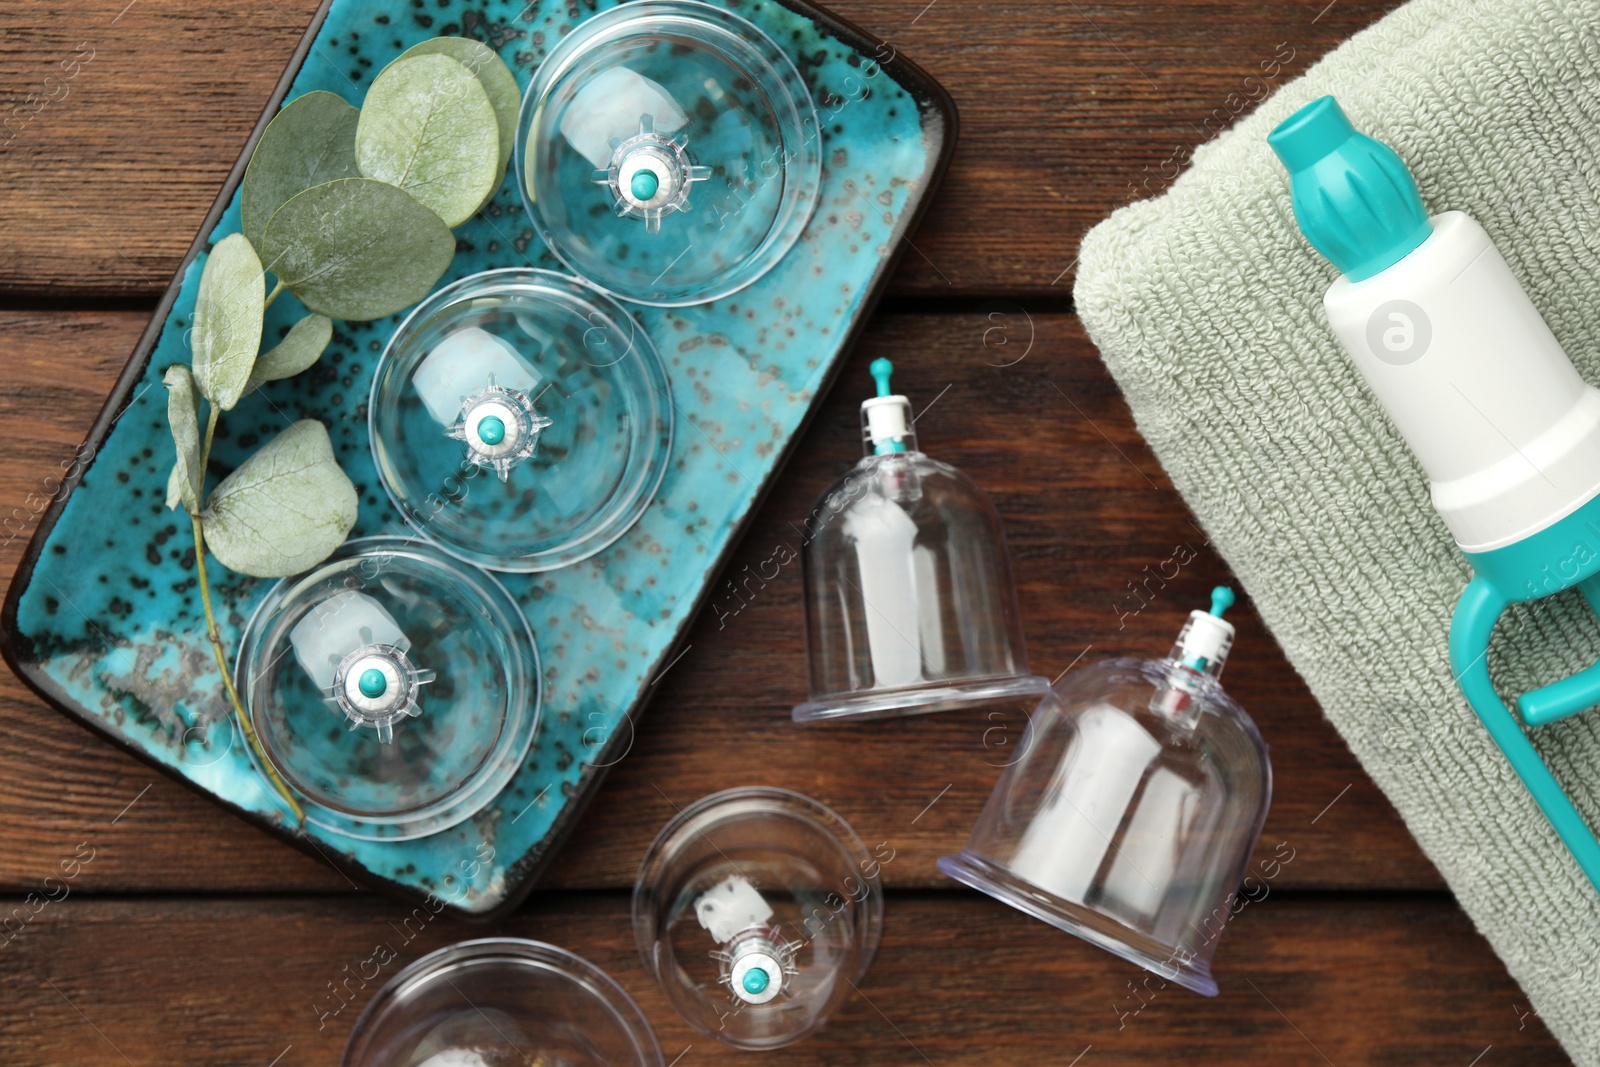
(1506, 429)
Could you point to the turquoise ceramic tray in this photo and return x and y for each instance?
(101, 618)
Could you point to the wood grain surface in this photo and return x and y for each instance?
(194, 938)
(1306, 981)
(1068, 110)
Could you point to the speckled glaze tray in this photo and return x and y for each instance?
(101, 618)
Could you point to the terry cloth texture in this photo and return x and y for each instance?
(1206, 304)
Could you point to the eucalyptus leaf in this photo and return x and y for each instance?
(227, 320)
(492, 73)
(311, 141)
(176, 479)
(300, 349)
(427, 127)
(285, 509)
(183, 415)
(357, 249)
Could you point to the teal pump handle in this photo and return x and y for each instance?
(1480, 606)
(1561, 556)
(1570, 695)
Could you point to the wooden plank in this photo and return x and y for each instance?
(1087, 510)
(119, 121)
(1346, 981)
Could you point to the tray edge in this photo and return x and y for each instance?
(526, 871)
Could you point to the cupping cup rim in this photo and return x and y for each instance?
(495, 778)
(659, 381)
(607, 989)
(786, 229)
(789, 803)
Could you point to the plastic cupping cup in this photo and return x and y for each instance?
(668, 152)
(1130, 815)
(1505, 427)
(909, 601)
(756, 911)
(502, 1001)
(393, 687)
(521, 419)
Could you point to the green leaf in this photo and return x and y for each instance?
(175, 484)
(311, 141)
(183, 407)
(357, 249)
(300, 349)
(227, 320)
(285, 509)
(492, 73)
(427, 127)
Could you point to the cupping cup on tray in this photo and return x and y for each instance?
(393, 687)
(522, 420)
(668, 151)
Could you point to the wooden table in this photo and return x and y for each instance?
(193, 938)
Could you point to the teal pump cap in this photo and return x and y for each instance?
(1354, 198)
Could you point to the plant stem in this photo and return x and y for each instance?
(273, 295)
(227, 676)
(216, 642)
(205, 445)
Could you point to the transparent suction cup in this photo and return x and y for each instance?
(394, 688)
(521, 419)
(501, 1002)
(667, 151)
(909, 601)
(1130, 815)
(756, 910)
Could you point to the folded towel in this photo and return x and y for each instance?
(1206, 304)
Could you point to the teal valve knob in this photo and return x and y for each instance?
(880, 371)
(1354, 197)
(756, 981)
(1207, 637)
(645, 184)
(886, 417)
(373, 683)
(491, 430)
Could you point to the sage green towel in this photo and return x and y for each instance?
(1206, 304)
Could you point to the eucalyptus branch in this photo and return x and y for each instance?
(354, 235)
(205, 443)
(215, 637)
(227, 676)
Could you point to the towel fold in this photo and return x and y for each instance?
(1206, 304)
